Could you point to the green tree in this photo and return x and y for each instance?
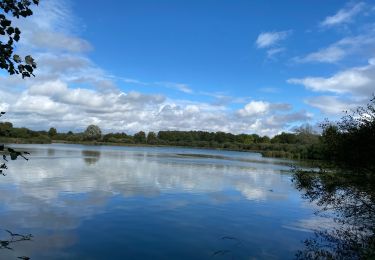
(52, 132)
(151, 138)
(351, 140)
(92, 133)
(284, 138)
(6, 128)
(346, 185)
(140, 137)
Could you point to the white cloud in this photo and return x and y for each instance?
(344, 15)
(331, 105)
(52, 31)
(268, 39)
(57, 41)
(56, 104)
(70, 91)
(255, 108)
(330, 54)
(38, 104)
(271, 53)
(357, 45)
(177, 86)
(358, 81)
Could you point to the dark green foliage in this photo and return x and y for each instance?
(92, 133)
(151, 138)
(243, 142)
(7, 152)
(346, 188)
(351, 141)
(285, 138)
(10, 61)
(52, 132)
(118, 138)
(140, 137)
(14, 134)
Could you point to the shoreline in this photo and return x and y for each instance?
(264, 153)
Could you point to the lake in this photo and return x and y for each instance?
(102, 202)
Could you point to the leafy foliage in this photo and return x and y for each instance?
(8, 153)
(346, 187)
(140, 137)
(10, 61)
(52, 132)
(92, 133)
(351, 141)
(152, 138)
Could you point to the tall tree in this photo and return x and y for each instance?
(140, 137)
(151, 138)
(92, 132)
(52, 132)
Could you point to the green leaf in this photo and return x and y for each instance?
(17, 58)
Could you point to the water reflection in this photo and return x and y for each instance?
(168, 205)
(348, 195)
(51, 152)
(90, 156)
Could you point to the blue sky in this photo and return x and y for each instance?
(237, 66)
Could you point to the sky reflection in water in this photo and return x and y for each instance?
(87, 202)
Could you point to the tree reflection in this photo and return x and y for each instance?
(90, 157)
(348, 196)
(13, 238)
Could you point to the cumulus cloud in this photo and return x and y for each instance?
(70, 91)
(256, 108)
(268, 39)
(344, 15)
(266, 117)
(358, 81)
(55, 104)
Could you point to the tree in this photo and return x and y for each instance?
(92, 132)
(351, 140)
(11, 62)
(151, 138)
(346, 187)
(52, 132)
(140, 137)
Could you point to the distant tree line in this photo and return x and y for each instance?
(301, 144)
(349, 141)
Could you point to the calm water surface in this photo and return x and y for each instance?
(88, 202)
